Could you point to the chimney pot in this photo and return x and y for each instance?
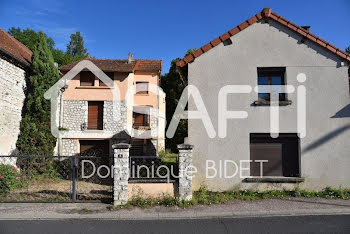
(130, 58)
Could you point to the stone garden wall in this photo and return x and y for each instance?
(12, 88)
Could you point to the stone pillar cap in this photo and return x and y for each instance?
(121, 146)
(185, 147)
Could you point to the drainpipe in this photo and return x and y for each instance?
(60, 116)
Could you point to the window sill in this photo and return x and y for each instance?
(280, 103)
(93, 87)
(141, 94)
(142, 127)
(93, 130)
(274, 179)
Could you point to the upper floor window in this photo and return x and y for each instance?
(140, 120)
(271, 76)
(141, 87)
(95, 115)
(87, 78)
(110, 75)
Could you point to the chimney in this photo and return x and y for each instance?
(130, 58)
(307, 28)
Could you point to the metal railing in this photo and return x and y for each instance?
(54, 179)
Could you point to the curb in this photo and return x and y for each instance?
(176, 215)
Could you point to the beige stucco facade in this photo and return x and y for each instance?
(75, 110)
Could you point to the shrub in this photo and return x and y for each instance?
(10, 178)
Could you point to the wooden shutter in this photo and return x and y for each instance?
(95, 115)
(87, 78)
(138, 120)
(272, 153)
(110, 75)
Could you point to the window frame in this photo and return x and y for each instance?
(100, 115)
(146, 120)
(284, 139)
(110, 75)
(142, 92)
(270, 72)
(83, 83)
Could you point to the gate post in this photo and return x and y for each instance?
(120, 173)
(185, 168)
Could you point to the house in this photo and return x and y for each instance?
(89, 127)
(15, 59)
(268, 49)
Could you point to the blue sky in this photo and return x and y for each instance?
(164, 29)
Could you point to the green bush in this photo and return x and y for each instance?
(10, 178)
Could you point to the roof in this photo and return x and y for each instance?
(266, 13)
(120, 65)
(14, 48)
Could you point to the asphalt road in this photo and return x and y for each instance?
(286, 224)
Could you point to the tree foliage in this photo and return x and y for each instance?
(173, 85)
(35, 137)
(348, 51)
(76, 45)
(29, 37)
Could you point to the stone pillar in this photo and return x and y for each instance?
(121, 173)
(185, 177)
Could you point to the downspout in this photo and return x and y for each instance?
(60, 117)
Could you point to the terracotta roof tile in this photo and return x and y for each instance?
(120, 65)
(225, 36)
(15, 48)
(215, 42)
(267, 13)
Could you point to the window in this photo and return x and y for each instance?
(142, 87)
(95, 115)
(140, 120)
(271, 76)
(110, 75)
(282, 154)
(94, 148)
(87, 78)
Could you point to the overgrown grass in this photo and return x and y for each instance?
(167, 157)
(205, 197)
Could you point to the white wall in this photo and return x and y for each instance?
(327, 162)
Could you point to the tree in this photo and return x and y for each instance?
(29, 37)
(76, 45)
(173, 85)
(35, 137)
(348, 51)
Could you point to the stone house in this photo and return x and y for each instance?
(269, 50)
(15, 59)
(87, 112)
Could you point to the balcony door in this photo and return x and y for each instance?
(95, 115)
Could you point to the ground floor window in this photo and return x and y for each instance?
(94, 148)
(282, 154)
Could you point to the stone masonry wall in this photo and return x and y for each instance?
(109, 123)
(185, 175)
(75, 113)
(69, 147)
(12, 87)
(121, 173)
